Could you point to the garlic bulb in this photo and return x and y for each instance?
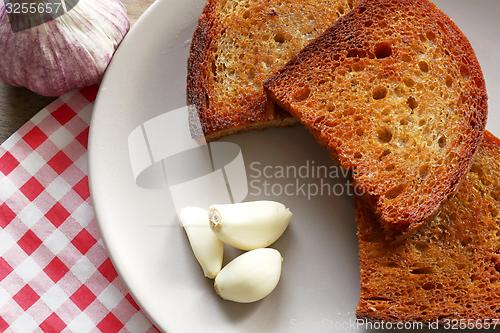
(207, 249)
(249, 225)
(68, 52)
(250, 277)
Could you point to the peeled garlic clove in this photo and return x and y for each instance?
(207, 248)
(71, 51)
(249, 225)
(250, 277)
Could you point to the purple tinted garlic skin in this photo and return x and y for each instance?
(69, 52)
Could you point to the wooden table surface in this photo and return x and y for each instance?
(18, 105)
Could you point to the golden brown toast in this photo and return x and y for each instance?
(240, 43)
(450, 267)
(395, 92)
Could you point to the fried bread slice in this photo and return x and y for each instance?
(450, 267)
(240, 43)
(395, 92)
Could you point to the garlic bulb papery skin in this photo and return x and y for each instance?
(249, 225)
(68, 52)
(250, 277)
(207, 248)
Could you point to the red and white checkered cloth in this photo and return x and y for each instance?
(55, 274)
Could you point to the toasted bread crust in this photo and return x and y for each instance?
(369, 60)
(449, 268)
(249, 109)
(197, 62)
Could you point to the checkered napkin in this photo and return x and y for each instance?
(55, 274)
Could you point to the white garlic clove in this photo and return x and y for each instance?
(249, 225)
(207, 248)
(249, 277)
(68, 52)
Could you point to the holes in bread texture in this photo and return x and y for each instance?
(379, 92)
(409, 82)
(442, 142)
(424, 66)
(464, 71)
(356, 53)
(412, 103)
(384, 134)
(379, 299)
(421, 246)
(384, 154)
(395, 191)
(301, 94)
(466, 242)
(349, 112)
(428, 286)
(422, 270)
(280, 37)
(383, 50)
(207, 101)
(391, 264)
(475, 277)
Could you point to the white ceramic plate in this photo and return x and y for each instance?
(319, 286)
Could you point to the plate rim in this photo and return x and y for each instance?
(131, 34)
